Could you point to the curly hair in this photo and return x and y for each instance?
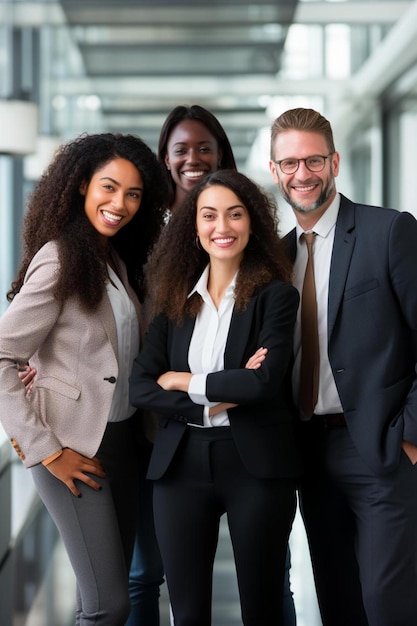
(177, 261)
(56, 212)
(200, 114)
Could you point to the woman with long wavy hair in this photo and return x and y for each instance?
(76, 314)
(214, 365)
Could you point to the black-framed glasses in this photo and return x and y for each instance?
(314, 163)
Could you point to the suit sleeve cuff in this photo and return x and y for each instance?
(197, 389)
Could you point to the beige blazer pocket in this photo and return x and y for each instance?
(59, 386)
(54, 401)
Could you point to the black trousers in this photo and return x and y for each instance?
(362, 532)
(206, 480)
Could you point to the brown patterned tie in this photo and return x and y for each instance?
(310, 355)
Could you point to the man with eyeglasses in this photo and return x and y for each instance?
(358, 425)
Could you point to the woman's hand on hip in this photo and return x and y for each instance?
(71, 466)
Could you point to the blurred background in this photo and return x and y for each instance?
(97, 65)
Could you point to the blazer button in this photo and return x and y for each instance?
(111, 379)
(183, 419)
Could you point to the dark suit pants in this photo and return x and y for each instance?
(205, 480)
(362, 532)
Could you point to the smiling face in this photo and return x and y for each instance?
(223, 225)
(309, 193)
(113, 196)
(192, 153)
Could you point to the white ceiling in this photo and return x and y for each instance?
(143, 57)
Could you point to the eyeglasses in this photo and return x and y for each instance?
(313, 163)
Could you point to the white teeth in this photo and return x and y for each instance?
(193, 174)
(111, 217)
(226, 240)
(309, 188)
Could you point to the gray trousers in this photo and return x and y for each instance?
(98, 529)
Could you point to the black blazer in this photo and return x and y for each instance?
(262, 424)
(372, 324)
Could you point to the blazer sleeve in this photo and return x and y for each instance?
(152, 361)
(23, 328)
(403, 273)
(273, 328)
(272, 325)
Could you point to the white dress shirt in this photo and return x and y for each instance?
(328, 399)
(127, 327)
(207, 345)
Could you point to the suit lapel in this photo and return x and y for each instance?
(105, 311)
(180, 343)
(122, 272)
(344, 243)
(105, 314)
(239, 332)
(290, 242)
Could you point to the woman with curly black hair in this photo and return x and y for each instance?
(76, 313)
(214, 364)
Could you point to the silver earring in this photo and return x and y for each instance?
(197, 243)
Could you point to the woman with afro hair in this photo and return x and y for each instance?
(76, 314)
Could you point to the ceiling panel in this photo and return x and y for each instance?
(143, 57)
(188, 42)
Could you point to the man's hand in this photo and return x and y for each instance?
(411, 451)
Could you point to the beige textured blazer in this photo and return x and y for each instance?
(75, 353)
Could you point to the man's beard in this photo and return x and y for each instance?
(301, 208)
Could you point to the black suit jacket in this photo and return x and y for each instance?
(262, 423)
(372, 324)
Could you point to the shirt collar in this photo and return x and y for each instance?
(201, 285)
(327, 220)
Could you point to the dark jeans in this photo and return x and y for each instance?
(146, 572)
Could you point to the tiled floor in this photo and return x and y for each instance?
(54, 600)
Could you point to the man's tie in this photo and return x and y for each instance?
(310, 355)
